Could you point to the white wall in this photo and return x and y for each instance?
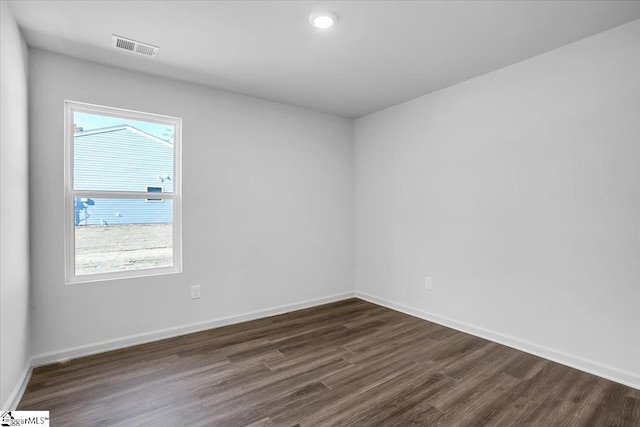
(518, 192)
(267, 207)
(14, 208)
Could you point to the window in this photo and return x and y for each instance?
(154, 190)
(122, 186)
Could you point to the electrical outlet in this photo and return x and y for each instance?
(428, 284)
(195, 291)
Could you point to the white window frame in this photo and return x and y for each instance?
(71, 107)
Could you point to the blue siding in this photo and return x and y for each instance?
(122, 159)
(124, 211)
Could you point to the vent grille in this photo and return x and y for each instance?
(125, 44)
(134, 46)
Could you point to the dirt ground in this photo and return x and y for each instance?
(103, 249)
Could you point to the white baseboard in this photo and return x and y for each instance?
(623, 377)
(115, 344)
(16, 395)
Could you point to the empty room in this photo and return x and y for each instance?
(319, 213)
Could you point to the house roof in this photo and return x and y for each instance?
(120, 128)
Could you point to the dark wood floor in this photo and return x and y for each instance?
(347, 363)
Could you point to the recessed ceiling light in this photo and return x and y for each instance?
(323, 20)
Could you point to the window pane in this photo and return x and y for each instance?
(115, 154)
(122, 235)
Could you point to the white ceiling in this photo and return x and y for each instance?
(381, 53)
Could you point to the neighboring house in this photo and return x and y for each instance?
(130, 160)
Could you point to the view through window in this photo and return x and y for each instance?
(118, 162)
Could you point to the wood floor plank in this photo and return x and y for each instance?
(367, 405)
(345, 363)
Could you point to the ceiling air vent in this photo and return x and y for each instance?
(134, 46)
